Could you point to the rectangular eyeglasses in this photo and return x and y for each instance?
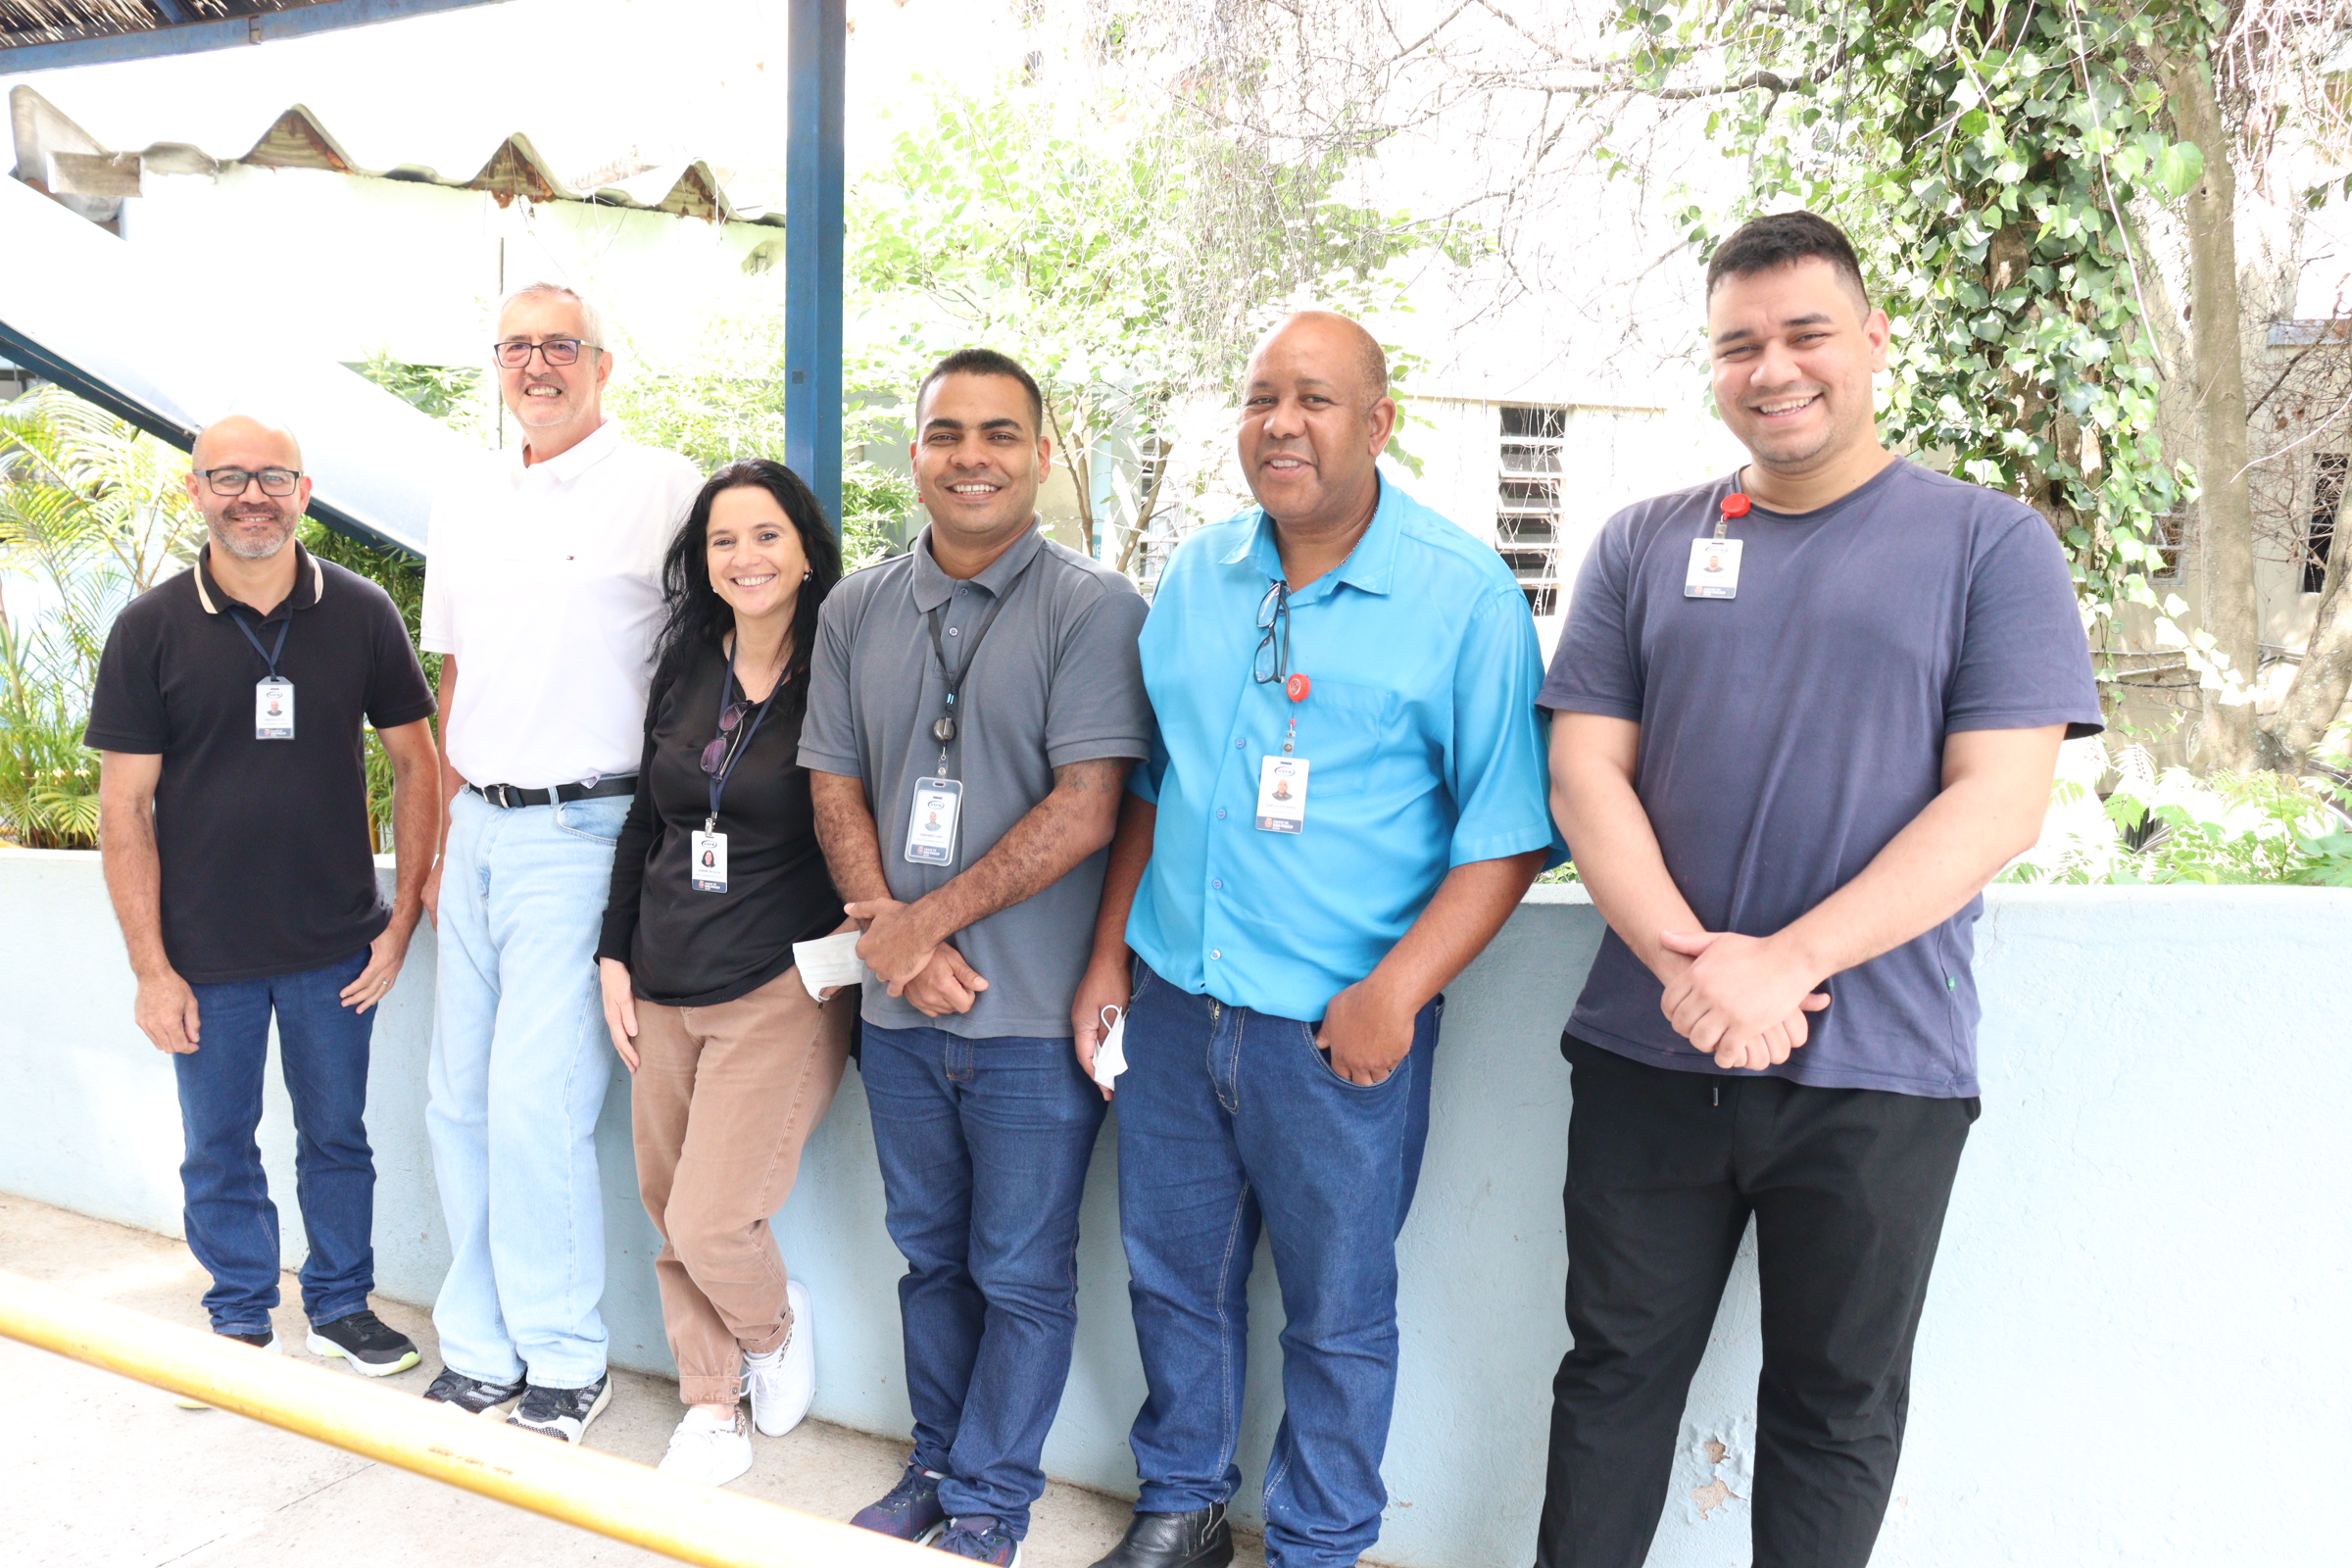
(514, 354)
(232, 481)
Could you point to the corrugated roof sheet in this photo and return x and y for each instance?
(23, 22)
(57, 156)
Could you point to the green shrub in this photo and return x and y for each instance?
(92, 514)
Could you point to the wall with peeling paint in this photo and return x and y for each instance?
(2135, 1352)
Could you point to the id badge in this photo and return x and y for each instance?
(274, 709)
(1281, 793)
(931, 823)
(1714, 569)
(710, 861)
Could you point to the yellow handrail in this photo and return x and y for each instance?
(594, 1491)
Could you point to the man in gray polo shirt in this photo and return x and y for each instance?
(975, 707)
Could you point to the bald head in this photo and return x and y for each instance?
(246, 441)
(1337, 343)
(249, 523)
(1315, 417)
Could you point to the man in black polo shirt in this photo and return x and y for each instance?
(233, 824)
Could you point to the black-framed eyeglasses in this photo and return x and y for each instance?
(232, 481)
(514, 354)
(1272, 662)
(714, 755)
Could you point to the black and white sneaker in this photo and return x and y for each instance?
(563, 1412)
(373, 1347)
(472, 1395)
(263, 1340)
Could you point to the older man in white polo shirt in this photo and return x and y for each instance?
(542, 594)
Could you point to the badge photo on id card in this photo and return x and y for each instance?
(931, 823)
(1714, 569)
(274, 709)
(710, 861)
(1281, 793)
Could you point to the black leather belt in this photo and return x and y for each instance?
(510, 795)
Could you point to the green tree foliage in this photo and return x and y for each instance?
(728, 404)
(402, 576)
(457, 395)
(2117, 818)
(1987, 155)
(91, 514)
(1123, 245)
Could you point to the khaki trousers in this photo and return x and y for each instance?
(723, 1101)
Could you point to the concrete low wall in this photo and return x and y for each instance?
(2135, 1352)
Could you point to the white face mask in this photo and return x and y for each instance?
(1111, 1052)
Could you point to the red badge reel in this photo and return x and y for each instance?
(1298, 686)
(1736, 505)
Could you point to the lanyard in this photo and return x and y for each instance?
(943, 728)
(726, 769)
(270, 655)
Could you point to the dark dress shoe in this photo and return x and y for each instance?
(1200, 1538)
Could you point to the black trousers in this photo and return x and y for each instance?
(1848, 1188)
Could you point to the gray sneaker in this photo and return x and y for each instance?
(473, 1396)
(563, 1412)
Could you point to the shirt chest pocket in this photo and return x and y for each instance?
(1345, 730)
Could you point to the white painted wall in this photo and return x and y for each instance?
(1613, 458)
(2133, 1352)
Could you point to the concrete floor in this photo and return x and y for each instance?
(100, 1472)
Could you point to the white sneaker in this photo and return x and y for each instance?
(267, 1341)
(703, 1451)
(784, 1381)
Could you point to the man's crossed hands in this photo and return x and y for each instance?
(1742, 1000)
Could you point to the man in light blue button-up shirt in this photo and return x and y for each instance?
(1345, 799)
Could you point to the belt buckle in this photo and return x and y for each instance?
(502, 799)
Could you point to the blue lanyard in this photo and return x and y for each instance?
(726, 769)
(268, 656)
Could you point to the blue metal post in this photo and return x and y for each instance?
(813, 216)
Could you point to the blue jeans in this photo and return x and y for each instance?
(1230, 1120)
(984, 1146)
(231, 1224)
(520, 1066)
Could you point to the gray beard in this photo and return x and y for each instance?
(255, 551)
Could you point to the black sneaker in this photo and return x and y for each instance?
(1200, 1538)
(563, 1412)
(267, 1340)
(980, 1538)
(472, 1395)
(374, 1348)
(909, 1510)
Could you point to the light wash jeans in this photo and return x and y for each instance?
(520, 1066)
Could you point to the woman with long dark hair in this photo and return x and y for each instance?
(717, 873)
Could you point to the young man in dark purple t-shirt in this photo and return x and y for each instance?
(1802, 714)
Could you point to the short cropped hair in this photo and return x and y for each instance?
(1780, 239)
(986, 361)
(592, 320)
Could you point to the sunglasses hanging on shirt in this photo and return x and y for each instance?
(1281, 779)
(709, 848)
